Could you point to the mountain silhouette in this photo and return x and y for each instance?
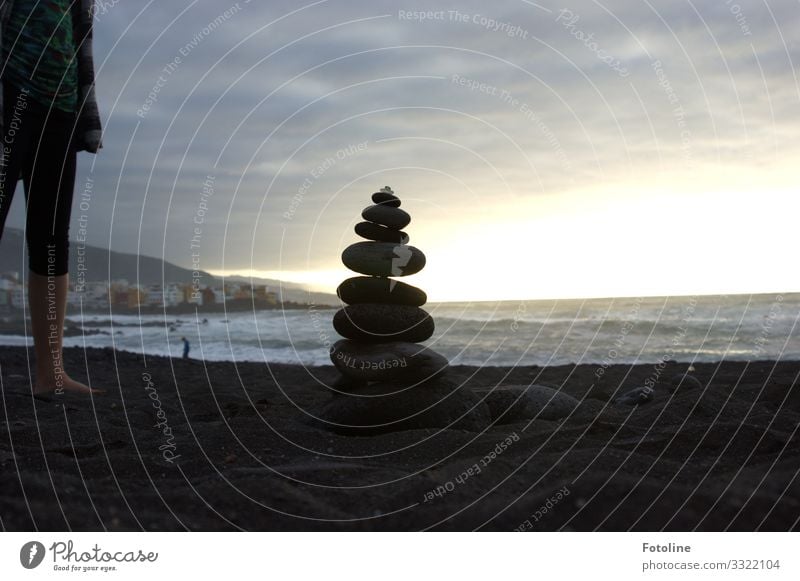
(103, 265)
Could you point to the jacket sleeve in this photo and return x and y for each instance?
(88, 135)
(5, 11)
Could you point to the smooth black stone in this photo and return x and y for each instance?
(393, 362)
(347, 383)
(377, 233)
(376, 323)
(383, 259)
(393, 218)
(636, 396)
(372, 289)
(378, 409)
(386, 199)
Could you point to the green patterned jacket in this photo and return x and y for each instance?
(88, 132)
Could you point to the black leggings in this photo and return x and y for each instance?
(38, 146)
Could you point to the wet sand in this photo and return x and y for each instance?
(188, 445)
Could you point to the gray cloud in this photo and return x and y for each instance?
(551, 116)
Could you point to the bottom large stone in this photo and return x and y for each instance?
(395, 361)
(378, 408)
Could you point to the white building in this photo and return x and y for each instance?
(219, 296)
(171, 296)
(19, 298)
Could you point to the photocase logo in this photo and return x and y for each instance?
(31, 554)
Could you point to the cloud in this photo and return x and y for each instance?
(505, 102)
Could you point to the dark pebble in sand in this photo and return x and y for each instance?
(383, 259)
(380, 323)
(514, 403)
(377, 233)
(684, 381)
(435, 404)
(371, 289)
(386, 199)
(386, 362)
(393, 218)
(636, 396)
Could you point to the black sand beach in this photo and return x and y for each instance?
(235, 449)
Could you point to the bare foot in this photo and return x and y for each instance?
(64, 383)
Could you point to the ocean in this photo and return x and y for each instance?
(507, 333)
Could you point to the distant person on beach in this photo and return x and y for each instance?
(186, 347)
(48, 113)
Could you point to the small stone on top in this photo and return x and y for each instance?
(386, 197)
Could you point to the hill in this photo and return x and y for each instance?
(102, 265)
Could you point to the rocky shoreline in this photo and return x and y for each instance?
(192, 445)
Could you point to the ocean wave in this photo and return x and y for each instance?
(510, 333)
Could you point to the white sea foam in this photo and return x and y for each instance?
(503, 333)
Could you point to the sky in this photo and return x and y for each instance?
(543, 149)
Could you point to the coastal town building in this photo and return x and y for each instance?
(121, 294)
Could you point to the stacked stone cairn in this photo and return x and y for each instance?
(382, 321)
(388, 381)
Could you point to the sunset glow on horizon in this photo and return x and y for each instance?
(532, 167)
(588, 245)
